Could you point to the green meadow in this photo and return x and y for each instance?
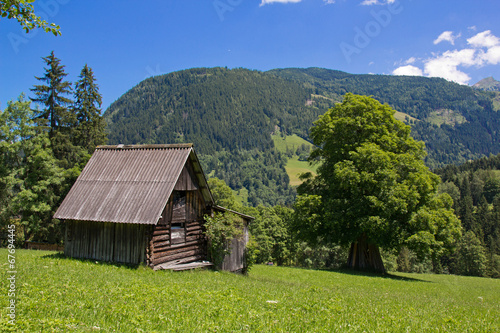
(57, 294)
(293, 167)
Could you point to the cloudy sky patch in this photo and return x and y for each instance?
(482, 49)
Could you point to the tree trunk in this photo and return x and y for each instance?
(365, 256)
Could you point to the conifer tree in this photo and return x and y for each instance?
(91, 127)
(52, 95)
(56, 116)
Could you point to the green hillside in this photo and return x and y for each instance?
(216, 108)
(57, 294)
(230, 115)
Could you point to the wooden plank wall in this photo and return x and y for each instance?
(187, 180)
(106, 241)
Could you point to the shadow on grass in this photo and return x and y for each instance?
(367, 273)
(60, 255)
(353, 272)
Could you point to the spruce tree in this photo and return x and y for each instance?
(52, 95)
(56, 116)
(91, 127)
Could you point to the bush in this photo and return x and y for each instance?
(221, 229)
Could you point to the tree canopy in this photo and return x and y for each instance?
(372, 186)
(30, 187)
(43, 150)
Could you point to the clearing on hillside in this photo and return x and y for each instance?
(294, 166)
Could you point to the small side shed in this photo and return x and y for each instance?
(141, 204)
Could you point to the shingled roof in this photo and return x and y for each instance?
(129, 183)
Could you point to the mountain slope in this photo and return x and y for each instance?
(457, 123)
(215, 108)
(230, 115)
(488, 84)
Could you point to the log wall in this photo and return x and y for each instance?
(161, 251)
(186, 242)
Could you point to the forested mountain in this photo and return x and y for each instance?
(456, 122)
(229, 115)
(224, 111)
(216, 108)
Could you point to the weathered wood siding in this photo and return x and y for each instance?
(187, 180)
(235, 260)
(106, 241)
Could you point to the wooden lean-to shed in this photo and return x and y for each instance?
(142, 204)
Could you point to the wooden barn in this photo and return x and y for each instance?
(143, 204)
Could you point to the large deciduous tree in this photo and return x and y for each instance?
(372, 189)
(30, 175)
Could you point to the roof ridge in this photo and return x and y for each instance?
(147, 146)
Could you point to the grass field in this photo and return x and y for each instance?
(445, 116)
(291, 142)
(402, 116)
(56, 294)
(294, 168)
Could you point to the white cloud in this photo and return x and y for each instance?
(446, 36)
(483, 49)
(446, 65)
(408, 70)
(410, 61)
(484, 39)
(376, 2)
(266, 2)
(329, 2)
(492, 56)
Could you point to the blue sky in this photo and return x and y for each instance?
(127, 41)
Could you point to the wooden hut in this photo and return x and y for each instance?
(143, 204)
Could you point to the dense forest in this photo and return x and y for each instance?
(475, 189)
(224, 111)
